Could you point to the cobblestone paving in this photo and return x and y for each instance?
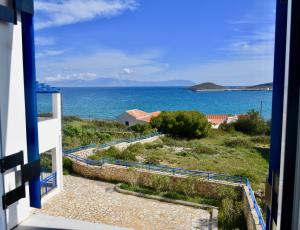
(96, 201)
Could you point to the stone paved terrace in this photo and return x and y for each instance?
(96, 201)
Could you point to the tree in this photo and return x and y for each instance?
(186, 124)
(252, 124)
(141, 128)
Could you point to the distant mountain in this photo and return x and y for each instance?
(113, 82)
(209, 86)
(206, 86)
(267, 86)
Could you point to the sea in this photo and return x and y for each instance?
(107, 103)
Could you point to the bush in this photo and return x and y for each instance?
(115, 153)
(135, 148)
(67, 166)
(160, 183)
(152, 159)
(186, 124)
(187, 186)
(261, 139)
(46, 161)
(252, 124)
(141, 128)
(227, 127)
(231, 214)
(202, 149)
(238, 142)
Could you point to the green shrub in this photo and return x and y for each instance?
(115, 153)
(186, 124)
(261, 139)
(188, 186)
(238, 142)
(231, 215)
(46, 161)
(141, 128)
(160, 183)
(252, 124)
(67, 166)
(202, 149)
(183, 154)
(152, 159)
(154, 145)
(227, 127)
(135, 148)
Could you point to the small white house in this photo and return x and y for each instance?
(217, 119)
(136, 116)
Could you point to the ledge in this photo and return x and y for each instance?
(213, 211)
(162, 199)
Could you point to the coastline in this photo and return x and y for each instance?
(222, 90)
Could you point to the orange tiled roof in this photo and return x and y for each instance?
(217, 118)
(145, 118)
(141, 115)
(155, 114)
(137, 113)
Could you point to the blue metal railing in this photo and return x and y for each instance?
(161, 168)
(178, 171)
(112, 143)
(48, 182)
(256, 206)
(166, 169)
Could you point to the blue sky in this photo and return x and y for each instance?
(228, 42)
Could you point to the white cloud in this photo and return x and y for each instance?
(49, 53)
(78, 76)
(44, 41)
(52, 13)
(105, 63)
(127, 71)
(253, 37)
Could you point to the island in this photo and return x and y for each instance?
(210, 86)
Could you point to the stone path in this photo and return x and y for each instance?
(96, 201)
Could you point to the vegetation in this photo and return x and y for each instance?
(222, 152)
(67, 166)
(46, 162)
(213, 86)
(142, 128)
(171, 195)
(184, 124)
(206, 86)
(252, 124)
(78, 132)
(230, 201)
(240, 148)
(231, 214)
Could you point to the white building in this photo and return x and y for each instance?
(217, 119)
(22, 137)
(136, 116)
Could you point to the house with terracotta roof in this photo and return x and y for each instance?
(217, 119)
(136, 116)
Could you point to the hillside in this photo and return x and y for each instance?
(212, 86)
(261, 86)
(206, 86)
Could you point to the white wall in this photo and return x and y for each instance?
(50, 138)
(12, 114)
(127, 117)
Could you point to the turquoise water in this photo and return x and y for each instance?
(108, 103)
